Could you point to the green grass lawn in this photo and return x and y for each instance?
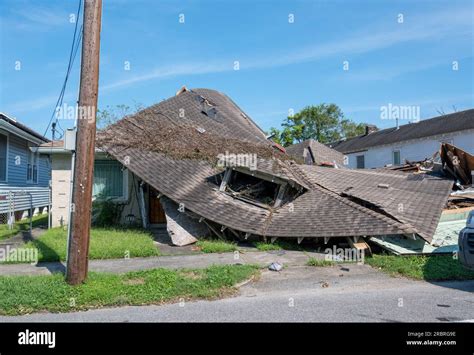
(216, 246)
(434, 268)
(26, 294)
(319, 262)
(23, 225)
(279, 244)
(262, 246)
(105, 243)
(224, 246)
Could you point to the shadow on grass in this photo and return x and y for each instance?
(23, 226)
(447, 271)
(50, 259)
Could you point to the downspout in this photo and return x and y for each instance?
(73, 160)
(142, 205)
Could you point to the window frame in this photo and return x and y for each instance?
(399, 157)
(282, 188)
(35, 156)
(125, 191)
(357, 161)
(7, 154)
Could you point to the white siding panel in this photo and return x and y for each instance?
(380, 156)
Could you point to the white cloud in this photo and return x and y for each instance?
(37, 104)
(421, 27)
(170, 71)
(426, 103)
(35, 16)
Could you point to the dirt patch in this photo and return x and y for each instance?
(136, 281)
(193, 275)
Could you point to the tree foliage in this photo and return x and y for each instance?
(112, 114)
(324, 123)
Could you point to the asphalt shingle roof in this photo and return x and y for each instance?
(415, 200)
(319, 152)
(453, 122)
(23, 127)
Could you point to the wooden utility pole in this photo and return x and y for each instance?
(78, 245)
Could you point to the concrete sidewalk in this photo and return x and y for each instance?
(287, 258)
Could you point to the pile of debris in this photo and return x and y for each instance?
(458, 164)
(429, 165)
(449, 161)
(453, 164)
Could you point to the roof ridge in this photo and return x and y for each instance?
(362, 144)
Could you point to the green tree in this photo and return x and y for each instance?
(324, 123)
(321, 122)
(283, 137)
(351, 129)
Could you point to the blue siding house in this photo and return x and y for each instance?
(25, 174)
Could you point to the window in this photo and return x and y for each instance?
(258, 190)
(360, 161)
(108, 179)
(396, 157)
(32, 168)
(3, 157)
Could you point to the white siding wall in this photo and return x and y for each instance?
(61, 191)
(419, 149)
(61, 186)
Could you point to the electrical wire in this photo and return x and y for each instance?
(76, 40)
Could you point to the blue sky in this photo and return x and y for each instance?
(283, 65)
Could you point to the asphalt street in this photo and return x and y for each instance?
(355, 293)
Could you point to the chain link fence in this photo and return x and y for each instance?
(19, 206)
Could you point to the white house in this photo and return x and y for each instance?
(412, 142)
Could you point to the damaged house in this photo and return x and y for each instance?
(313, 152)
(200, 165)
(409, 142)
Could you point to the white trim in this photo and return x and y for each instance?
(125, 183)
(60, 150)
(49, 150)
(20, 133)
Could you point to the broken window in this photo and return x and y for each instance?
(262, 191)
(208, 108)
(210, 112)
(250, 187)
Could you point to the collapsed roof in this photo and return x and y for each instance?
(317, 153)
(174, 146)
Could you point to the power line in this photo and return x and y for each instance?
(72, 56)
